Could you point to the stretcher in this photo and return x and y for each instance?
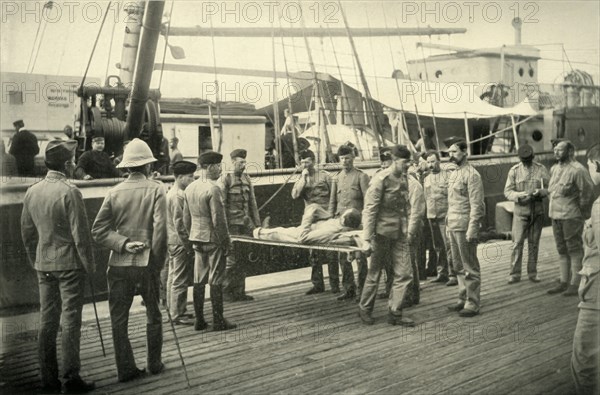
(321, 247)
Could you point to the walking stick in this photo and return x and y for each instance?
(96, 314)
(178, 348)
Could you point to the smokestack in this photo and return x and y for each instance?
(517, 23)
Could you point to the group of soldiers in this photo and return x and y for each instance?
(144, 227)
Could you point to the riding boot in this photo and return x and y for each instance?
(216, 298)
(198, 292)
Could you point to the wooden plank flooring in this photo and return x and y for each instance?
(288, 342)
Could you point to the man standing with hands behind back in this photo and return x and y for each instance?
(132, 223)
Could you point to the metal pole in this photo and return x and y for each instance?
(96, 314)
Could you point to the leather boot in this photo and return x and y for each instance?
(198, 292)
(216, 298)
(560, 288)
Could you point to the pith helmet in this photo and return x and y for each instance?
(137, 153)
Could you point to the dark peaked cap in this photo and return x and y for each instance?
(60, 151)
(450, 141)
(401, 151)
(210, 158)
(345, 150)
(183, 167)
(525, 151)
(238, 153)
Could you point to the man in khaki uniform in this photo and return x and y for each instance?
(180, 249)
(132, 223)
(386, 234)
(348, 191)
(242, 218)
(571, 197)
(524, 186)
(435, 187)
(57, 238)
(205, 217)
(466, 209)
(314, 187)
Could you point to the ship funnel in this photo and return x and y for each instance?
(517, 23)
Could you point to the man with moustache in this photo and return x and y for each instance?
(242, 218)
(314, 187)
(524, 186)
(466, 209)
(387, 234)
(436, 197)
(348, 190)
(570, 192)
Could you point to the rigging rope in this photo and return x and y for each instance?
(402, 114)
(373, 62)
(112, 36)
(437, 140)
(280, 189)
(218, 107)
(162, 66)
(95, 43)
(289, 99)
(344, 96)
(410, 80)
(34, 46)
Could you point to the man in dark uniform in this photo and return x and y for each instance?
(58, 242)
(347, 191)
(24, 148)
(132, 223)
(242, 218)
(180, 249)
(524, 185)
(96, 163)
(386, 233)
(206, 219)
(314, 187)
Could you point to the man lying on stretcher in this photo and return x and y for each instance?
(317, 227)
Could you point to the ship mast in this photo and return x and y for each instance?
(144, 67)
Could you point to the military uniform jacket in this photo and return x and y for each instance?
(134, 210)
(176, 230)
(570, 191)
(54, 226)
(316, 190)
(416, 208)
(96, 164)
(521, 178)
(348, 190)
(466, 206)
(240, 202)
(589, 288)
(204, 213)
(387, 206)
(435, 187)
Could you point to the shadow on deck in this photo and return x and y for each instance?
(288, 342)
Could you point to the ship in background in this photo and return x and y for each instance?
(328, 112)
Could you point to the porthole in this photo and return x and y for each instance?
(521, 71)
(537, 135)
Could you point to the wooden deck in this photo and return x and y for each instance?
(288, 342)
